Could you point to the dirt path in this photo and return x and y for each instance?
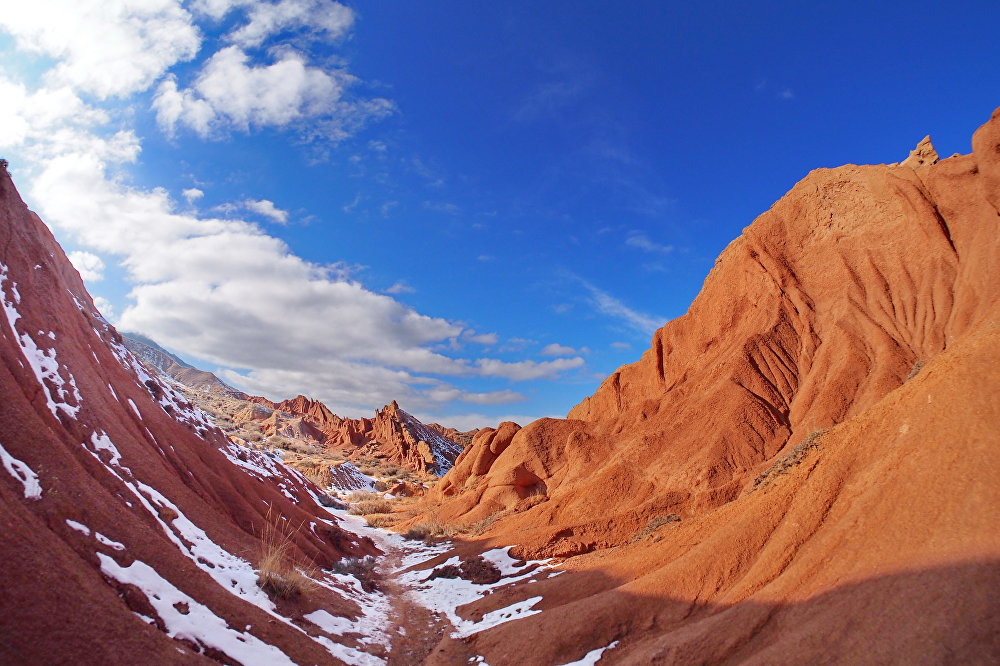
(414, 630)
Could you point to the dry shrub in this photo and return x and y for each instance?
(380, 519)
(277, 573)
(474, 569)
(655, 524)
(426, 531)
(371, 506)
(362, 568)
(363, 496)
(789, 460)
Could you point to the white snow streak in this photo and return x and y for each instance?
(199, 624)
(20, 471)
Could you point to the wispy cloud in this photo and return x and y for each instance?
(445, 207)
(400, 287)
(525, 370)
(641, 241)
(608, 305)
(266, 208)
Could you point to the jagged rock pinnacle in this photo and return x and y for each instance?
(923, 155)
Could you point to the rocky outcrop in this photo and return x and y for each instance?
(923, 155)
(796, 464)
(131, 525)
(393, 435)
(400, 438)
(817, 311)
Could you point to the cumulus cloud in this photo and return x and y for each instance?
(556, 349)
(267, 209)
(192, 194)
(331, 19)
(89, 265)
(227, 95)
(480, 338)
(105, 307)
(525, 370)
(104, 48)
(221, 290)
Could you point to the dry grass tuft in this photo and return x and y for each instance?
(362, 568)
(277, 573)
(789, 460)
(655, 524)
(371, 506)
(426, 531)
(381, 519)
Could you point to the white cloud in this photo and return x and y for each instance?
(266, 209)
(621, 346)
(104, 47)
(464, 422)
(192, 194)
(556, 349)
(480, 338)
(223, 290)
(642, 241)
(526, 370)
(231, 92)
(266, 19)
(786, 93)
(105, 307)
(400, 287)
(608, 305)
(446, 393)
(89, 265)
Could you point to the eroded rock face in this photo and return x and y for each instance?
(797, 464)
(116, 494)
(815, 313)
(393, 435)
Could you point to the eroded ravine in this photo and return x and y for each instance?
(425, 606)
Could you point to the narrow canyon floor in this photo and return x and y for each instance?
(423, 589)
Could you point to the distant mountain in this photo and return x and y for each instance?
(393, 436)
(172, 366)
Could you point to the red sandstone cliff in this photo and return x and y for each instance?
(802, 468)
(128, 520)
(393, 435)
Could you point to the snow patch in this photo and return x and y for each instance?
(42, 362)
(108, 542)
(199, 625)
(592, 657)
(20, 471)
(79, 527)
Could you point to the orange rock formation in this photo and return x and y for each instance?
(804, 467)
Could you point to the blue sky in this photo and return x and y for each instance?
(478, 209)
